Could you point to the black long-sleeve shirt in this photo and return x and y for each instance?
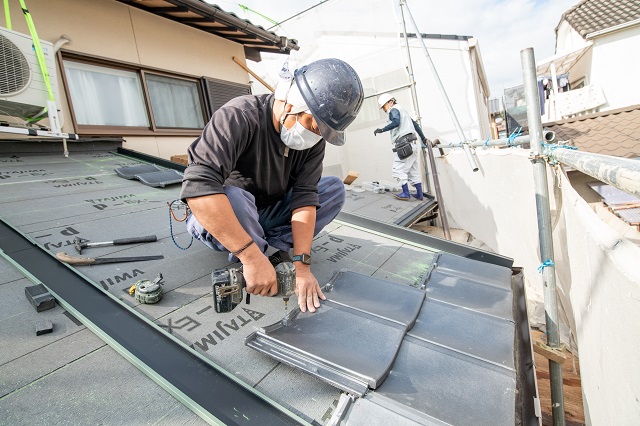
(240, 147)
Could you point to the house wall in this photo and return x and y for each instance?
(612, 63)
(596, 269)
(568, 39)
(615, 67)
(115, 31)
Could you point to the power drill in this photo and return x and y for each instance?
(228, 284)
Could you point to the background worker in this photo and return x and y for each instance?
(403, 131)
(254, 175)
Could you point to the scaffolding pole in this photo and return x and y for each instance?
(544, 230)
(622, 173)
(548, 137)
(414, 95)
(456, 123)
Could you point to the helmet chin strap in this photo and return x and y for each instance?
(283, 116)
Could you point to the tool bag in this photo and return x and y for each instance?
(403, 146)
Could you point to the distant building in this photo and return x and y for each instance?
(597, 45)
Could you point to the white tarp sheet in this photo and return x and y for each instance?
(597, 270)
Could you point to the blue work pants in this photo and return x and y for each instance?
(271, 226)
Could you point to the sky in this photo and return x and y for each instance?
(503, 27)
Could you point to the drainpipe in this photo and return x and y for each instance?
(467, 150)
(62, 40)
(544, 229)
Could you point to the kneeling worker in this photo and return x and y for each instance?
(403, 136)
(254, 175)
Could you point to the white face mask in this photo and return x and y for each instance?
(297, 137)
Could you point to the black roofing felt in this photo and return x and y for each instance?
(198, 380)
(51, 199)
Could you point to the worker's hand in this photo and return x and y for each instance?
(259, 275)
(376, 131)
(424, 142)
(307, 289)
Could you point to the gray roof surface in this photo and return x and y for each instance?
(53, 199)
(590, 16)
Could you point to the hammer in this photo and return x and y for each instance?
(79, 245)
(64, 257)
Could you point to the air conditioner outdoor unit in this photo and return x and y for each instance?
(23, 92)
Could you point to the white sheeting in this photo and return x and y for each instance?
(597, 269)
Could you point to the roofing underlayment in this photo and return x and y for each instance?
(459, 359)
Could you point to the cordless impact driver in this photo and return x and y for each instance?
(228, 284)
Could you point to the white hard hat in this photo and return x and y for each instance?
(384, 98)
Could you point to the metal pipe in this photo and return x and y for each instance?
(544, 229)
(548, 138)
(436, 184)
(412, 81)
(622, 173)
(456, 123)
(414, 95)
(375, 95)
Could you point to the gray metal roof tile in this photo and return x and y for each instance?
(349, 349)
(470, 294)
(472, 333)
(450, 386)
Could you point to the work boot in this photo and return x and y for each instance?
(404, 195)
(419, 195)
(279, 257)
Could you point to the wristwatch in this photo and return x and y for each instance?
(304, 258)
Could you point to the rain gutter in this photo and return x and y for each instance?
(619, 27)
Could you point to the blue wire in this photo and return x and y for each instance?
(171, 229)
(545, 264)
(517, 132)
(552, 146)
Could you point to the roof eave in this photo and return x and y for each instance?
(620, 27)
(273, 43)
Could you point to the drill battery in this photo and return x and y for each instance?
(227, 288)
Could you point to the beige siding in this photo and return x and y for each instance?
(115, 31)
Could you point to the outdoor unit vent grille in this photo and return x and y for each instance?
(15, 73)
(218, 92)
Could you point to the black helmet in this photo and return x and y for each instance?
(333, 92)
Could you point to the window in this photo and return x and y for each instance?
(105, 96)
(125, 99)
(174, 102)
